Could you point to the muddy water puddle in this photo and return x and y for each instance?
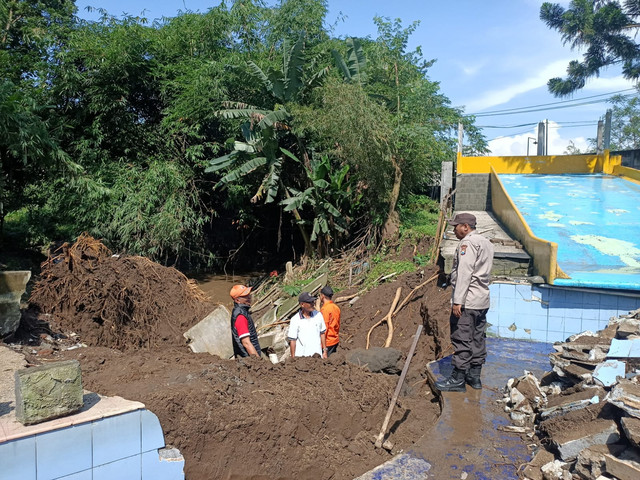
(217, 286)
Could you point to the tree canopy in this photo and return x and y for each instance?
(245, 125)
(604, 29)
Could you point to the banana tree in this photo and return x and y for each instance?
(328, 196)
(266, 129)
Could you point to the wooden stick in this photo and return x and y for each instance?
(393, 306)
(378, 443)
(345, 298)
(390, 316)
(408, 297)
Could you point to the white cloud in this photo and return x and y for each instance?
(500, 96)
(608, 84)
(517, 145)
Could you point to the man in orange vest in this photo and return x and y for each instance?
(331, 313)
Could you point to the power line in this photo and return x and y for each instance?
(558, 105)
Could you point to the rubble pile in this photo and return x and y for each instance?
(584, 414)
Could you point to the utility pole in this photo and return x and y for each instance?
(600, 138)
(607, 130)
(460, 136)
(546, 137)
(541, 139)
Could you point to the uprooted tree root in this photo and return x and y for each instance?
(124, 302)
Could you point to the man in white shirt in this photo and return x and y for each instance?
(307, 330)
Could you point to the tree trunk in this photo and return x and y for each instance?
(391, 226)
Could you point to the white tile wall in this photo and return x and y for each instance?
(119, 447)
(550, 314)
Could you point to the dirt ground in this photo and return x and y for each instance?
(243, 419)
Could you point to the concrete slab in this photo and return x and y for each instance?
(625, 467)
(626, 396)
(467, 442)
(631, 428)
(591, 462)
(561, 404)
(599, 432)
(624, 348)
(212, 334)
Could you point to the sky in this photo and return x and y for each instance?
(490, 56)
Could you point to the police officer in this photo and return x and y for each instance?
(470, 275)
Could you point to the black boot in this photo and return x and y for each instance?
(455, 383)
(473, 377)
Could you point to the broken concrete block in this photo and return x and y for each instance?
(626, 396)
(12, 287)
(624, 348)
(561, 404)
(631, 429)
(607, 373)
(529, 387)
(570, 442)
(533, 470)
(555, 470)
(591, 461)
(628, 327)
(624, 467)
(47, 392)
(212, 334)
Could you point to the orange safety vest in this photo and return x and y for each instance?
(331, 314)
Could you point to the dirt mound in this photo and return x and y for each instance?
(302, 419)
(124, 302)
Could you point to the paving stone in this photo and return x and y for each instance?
(624, 467)
(591, 461)
(626, 395)
(47, 392)
(631, 428)
(599, 432)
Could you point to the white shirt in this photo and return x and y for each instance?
(306, 332)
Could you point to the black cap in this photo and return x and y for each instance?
(462, 218)
(327, 291)
(306, 297)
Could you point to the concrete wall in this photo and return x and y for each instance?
(551, 314)
(473, 192)
(630, 158)
(121, 447)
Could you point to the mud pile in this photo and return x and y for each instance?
(124, 302)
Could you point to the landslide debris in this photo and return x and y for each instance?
(117, 301)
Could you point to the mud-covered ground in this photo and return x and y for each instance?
(248, 419)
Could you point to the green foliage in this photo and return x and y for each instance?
(625, 123)
(419, 217)
(603, 30)
(150, 119)
(387, 267)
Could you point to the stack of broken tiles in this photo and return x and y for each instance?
(587, 408)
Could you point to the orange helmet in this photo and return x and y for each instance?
(239, 291)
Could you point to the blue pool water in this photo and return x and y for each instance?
(594, 219)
